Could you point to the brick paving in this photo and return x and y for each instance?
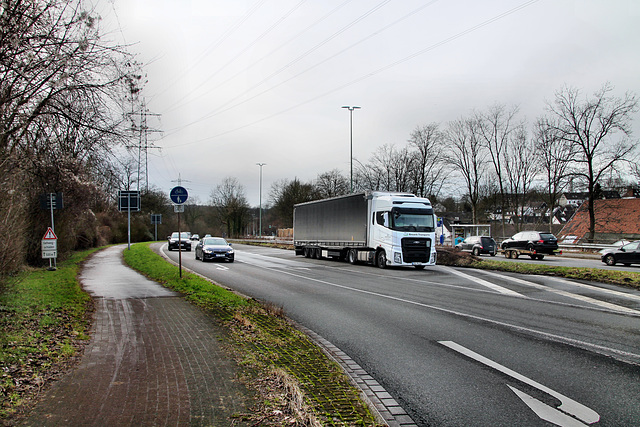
(153, 359)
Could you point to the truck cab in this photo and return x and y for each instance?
(401, 230)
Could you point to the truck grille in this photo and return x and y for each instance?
(416, 249)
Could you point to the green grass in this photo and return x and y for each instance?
(263, 341)
(43, 320)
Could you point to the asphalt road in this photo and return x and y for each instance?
(459, 347)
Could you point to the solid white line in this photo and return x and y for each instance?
(568, 405)
(482, 282)
(553, 337)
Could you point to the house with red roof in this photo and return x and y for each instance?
(615, 219)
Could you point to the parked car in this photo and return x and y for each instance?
(176, 239)
(539, 241)
(478, 245)
(627, 254)
(210, 248)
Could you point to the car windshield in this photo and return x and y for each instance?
(182, 235)
(631, 246)
(412, 220)
(215, 241)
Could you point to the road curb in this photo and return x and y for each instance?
(386, 409)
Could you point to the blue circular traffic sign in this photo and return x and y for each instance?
(179, 195)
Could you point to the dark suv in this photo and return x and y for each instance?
(538, 242)
(175, 241)
(478, 245)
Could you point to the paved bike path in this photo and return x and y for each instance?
(153, 359)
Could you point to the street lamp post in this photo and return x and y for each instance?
(260, 222)
(351, 138)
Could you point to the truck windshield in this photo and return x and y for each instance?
(405, 219)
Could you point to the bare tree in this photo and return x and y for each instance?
(60, 110)
(429, 170)
(600, 130)
(285, 194)
(231, 206)
(331, 184)
(389, 169)
(495, 128)
(553, 154)
(520, 171)
(467, 155)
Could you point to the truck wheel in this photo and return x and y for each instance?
(540, 257)
(352, 256)
(306, 252)
(381, 258)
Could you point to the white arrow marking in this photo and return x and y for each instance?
(547, 412)
(568, 405)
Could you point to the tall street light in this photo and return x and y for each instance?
(260, 223)
(351, 137)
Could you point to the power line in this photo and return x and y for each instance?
(291, 63)
(207, 51)
(250, 45)
(367, 75)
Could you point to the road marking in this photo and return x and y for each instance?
(596, 288)
(608, 351)
(222, 267)
(565, 293)
(567, 405)
(545, 411)
(482, 282)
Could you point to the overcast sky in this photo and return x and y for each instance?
(240, 82)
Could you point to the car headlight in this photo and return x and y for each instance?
(207, 251)
(229, 251)
(397, 257)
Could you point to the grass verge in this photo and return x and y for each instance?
(44, 319)
(298, 383)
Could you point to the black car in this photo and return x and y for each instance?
(538, 242)
(214, 248)
(627, 254)
(478, 245)
(175, 240)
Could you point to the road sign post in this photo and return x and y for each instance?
(51, 201)
(128, 201)
(179, 195)
(49, 247)
(155, 220)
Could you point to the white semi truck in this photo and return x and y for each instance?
(381, 228)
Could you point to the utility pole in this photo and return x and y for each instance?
(260, 223)
(351, 137)
(144, 144)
